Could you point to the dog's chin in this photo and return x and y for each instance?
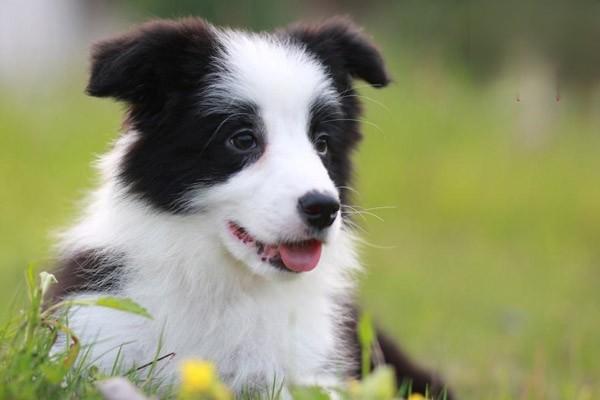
(277, 260)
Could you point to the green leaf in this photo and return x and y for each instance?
(309, 393)
(31, 284)
(380, 385)
(123, 304)
(53, 373)
(116, 303)
(366, 336)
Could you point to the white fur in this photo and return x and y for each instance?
(209, 295)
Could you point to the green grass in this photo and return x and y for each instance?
(42, 358)
(486, 267)
(33, 368)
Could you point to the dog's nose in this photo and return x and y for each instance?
(319, 210)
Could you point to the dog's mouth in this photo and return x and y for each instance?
(295, 257)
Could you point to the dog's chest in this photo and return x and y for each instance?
(254, 338)
(256, 345)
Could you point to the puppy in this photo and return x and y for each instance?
(220, 205)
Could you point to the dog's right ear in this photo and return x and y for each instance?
(344, 48)
(152, 61)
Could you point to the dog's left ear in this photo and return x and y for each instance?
(144, 66)
(344, 48)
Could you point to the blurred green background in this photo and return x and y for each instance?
(480, 164)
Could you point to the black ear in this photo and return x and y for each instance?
(341, 45)
(148, 63)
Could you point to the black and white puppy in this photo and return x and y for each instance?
(220, 207)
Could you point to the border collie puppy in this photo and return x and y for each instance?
(220, 206)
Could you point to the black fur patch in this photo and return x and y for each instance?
(160, 70)
(386, 351)
(188, 151)
(346, 54)
(344, 49)
(87, 270)
(152, 65)
(343, 137)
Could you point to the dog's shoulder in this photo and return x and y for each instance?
(86, 270)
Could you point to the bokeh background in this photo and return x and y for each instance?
(478, 177)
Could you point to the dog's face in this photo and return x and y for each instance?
(253, 131)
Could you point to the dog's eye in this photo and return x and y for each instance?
(243, 141)
(322, 144)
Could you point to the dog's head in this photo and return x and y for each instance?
(253, 131)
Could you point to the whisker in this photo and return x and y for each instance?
(321, 106)
(355, 87)
(362, 213)
(379, 208)
(350, 188)
(375, 246)
(214, 134)
(361, 120)
(354, 213)
(363, 97)
(353, 225)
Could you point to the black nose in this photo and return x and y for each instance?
(318, 210)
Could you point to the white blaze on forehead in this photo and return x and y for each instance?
(274, 74)
(283, 81)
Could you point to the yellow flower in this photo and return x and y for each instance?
(416, 396)
(221, 392)
(354, 387)
(197, 376)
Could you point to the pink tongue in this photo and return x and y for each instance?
(301, 257)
